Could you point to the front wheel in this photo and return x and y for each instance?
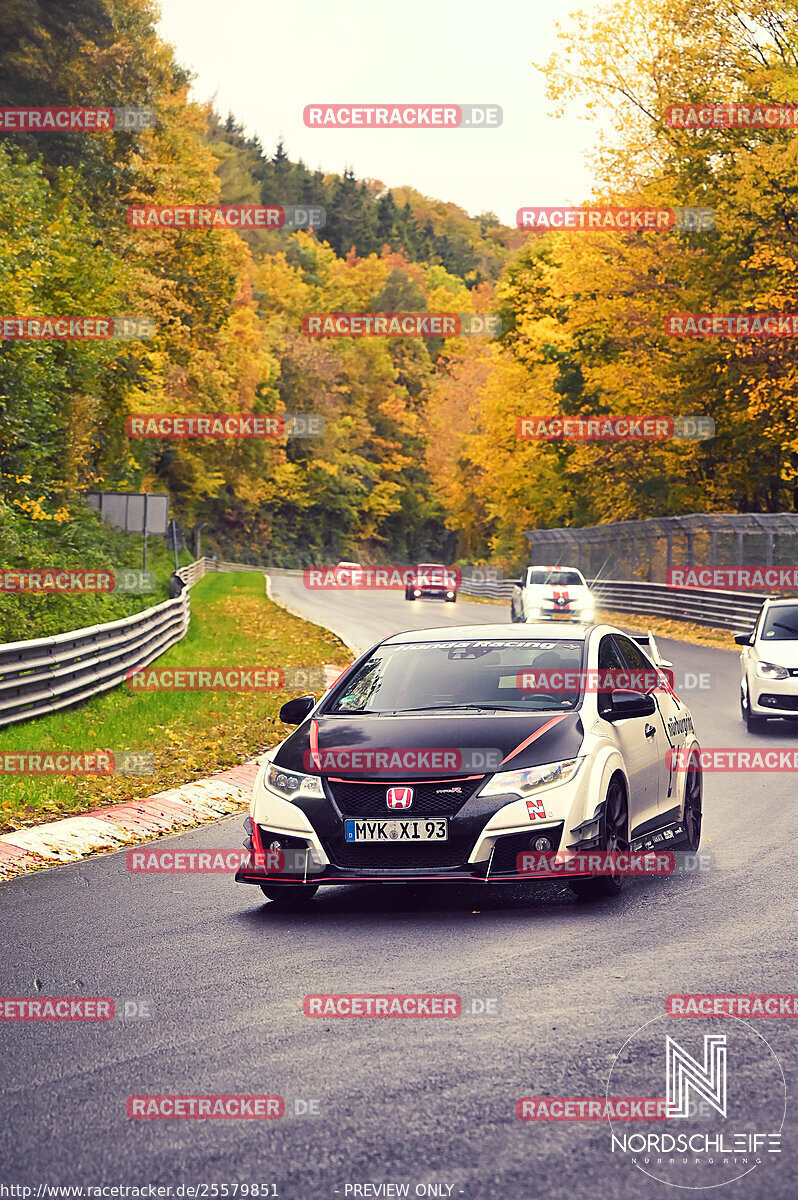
(450, 599)
(289, 896)
(613, 837)
(692, 812)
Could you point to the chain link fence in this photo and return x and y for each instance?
(645, 550)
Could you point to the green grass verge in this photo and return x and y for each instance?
(85, 542)
(191, 733)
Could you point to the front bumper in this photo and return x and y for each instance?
(500, 866)
(485, 834)
(774, 697)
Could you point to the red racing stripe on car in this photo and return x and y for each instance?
(314, 744)
(532, 737)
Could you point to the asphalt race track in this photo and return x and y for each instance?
(422, 1102)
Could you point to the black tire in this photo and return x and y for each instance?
(450, 599)
(693, 805)
(752, 724)
(289, 896)
(408, 596)
(613, 836)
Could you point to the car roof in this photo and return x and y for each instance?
(492, 633)
(782, 600)
(539, 567)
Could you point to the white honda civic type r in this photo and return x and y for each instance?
(553, 594)
(449, 754)
(769, 665)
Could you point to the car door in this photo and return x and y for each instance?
(642, 745)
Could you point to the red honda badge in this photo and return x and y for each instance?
(399, 797)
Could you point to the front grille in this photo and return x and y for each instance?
(395, 856)
(368, 799)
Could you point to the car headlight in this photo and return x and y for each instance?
(291, 784)
(766, 670)
(531, 779)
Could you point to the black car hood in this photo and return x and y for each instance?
(320, 744)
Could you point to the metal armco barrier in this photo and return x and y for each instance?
(493, 589)
(45, 674)
(723, 610)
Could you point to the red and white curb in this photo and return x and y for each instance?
(110, 828)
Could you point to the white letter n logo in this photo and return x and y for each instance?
(685, 1072)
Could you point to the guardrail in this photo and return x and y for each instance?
(723, 610)
(45, 674)
(492, 589)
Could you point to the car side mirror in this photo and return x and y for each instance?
(294, 712)
(619, 706)
(744, 639)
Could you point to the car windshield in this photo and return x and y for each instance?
(519, 675)
(555, 578)
(781, 624)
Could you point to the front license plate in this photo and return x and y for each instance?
(419, 830)
(561, 616)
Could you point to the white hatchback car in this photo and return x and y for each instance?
(769, 665)
(590, 751)
(553, 594)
